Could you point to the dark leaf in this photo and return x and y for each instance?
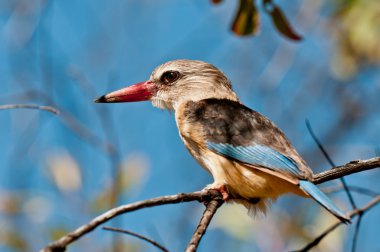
(280, 21)
(247, 19)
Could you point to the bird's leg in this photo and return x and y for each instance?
(220, 188)
(223, 190)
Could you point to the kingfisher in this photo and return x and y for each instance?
(250, 159)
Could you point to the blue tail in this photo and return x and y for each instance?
(323, 200)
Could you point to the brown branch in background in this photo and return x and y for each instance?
(356, 233)
(209, 212)
(331, 162)
(201, 196)
(30, 106)
(357, 189)
(70, 121)
(344, 183)
(359, 211)
(154, 243)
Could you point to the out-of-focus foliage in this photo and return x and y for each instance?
(10, 203)
(247, 19)
(37, 209)
(234, 220)
(57, 232)
(102, 200)
(133, 172)
(13, 240)
(131, 175)
(356, 27)
(280, 21)
(65, 172)
(334, 241)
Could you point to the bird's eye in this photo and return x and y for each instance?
(170, 77)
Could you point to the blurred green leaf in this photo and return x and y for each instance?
(233, 219)
(131, 176)
(332, 242)
(247, 19)
(65, 172)
(356, 28)
(280, 21)
(13, 240)
(57, 232)
(102, 201)
(133, 171)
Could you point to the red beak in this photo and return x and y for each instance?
(138, 92)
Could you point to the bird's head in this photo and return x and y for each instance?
(175, 82)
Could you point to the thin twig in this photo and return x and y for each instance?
(319, 144)
(356, 233)
(345, 186)
(357, 189)
(70, 121)
(30, 106)
(201, 196)
(154, 243)
(209, 212)
(316, 241)
(327, 156)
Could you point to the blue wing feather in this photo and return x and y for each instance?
(322, 199)
(271, 159)
(258, 155)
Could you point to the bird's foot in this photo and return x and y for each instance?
(220, 188)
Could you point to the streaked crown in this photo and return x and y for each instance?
(189, 80)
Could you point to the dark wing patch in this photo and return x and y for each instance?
(231, 127)
(226, 121)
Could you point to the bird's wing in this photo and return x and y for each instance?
(232, 130)
(258, 156)
(236, 132)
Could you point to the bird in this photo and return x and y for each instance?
(250, 159)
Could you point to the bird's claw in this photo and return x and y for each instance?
(220, 188)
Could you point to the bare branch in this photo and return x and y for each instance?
(201, 196)
(209, 212)
(71, 122)
(356, 233)
(63, 242)
(30, 106)
(331, 162)
(347, 169)
(359, 211)
(154, 243)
